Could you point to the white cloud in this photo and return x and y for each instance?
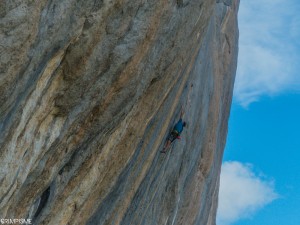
(242, 192)
(268, 49)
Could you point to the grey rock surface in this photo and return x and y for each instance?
(90, 89)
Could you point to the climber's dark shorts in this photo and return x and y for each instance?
(173, 135)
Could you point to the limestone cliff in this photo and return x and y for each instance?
(89, 90)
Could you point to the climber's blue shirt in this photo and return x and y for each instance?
(179, 126)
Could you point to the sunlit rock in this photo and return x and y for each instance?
(89, 91)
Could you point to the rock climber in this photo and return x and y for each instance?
(175, 133)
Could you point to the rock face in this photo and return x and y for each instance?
(89, 90)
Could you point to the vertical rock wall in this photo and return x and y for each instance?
(89, 90)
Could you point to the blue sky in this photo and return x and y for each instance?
(260, 178)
